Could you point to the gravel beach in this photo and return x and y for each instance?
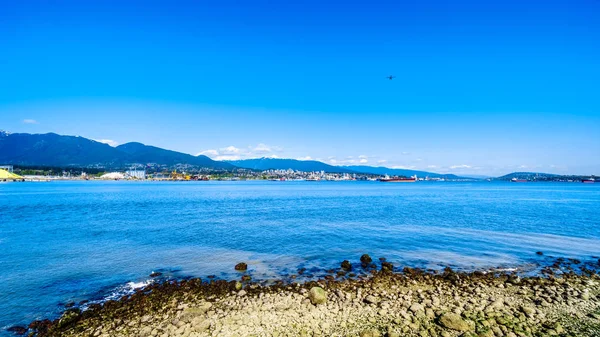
(389, 302)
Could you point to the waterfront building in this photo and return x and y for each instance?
(136, 174)
(8, 168)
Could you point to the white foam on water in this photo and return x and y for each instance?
(507, 269)
(138, 285)
(120, 291)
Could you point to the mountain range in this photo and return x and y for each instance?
(527, 175)
(313, 165)
(285, 164)
(51, 149)
(55, 150)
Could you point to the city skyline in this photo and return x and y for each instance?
(480, 88)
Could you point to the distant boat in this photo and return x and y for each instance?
(387, 179)
(588, 181)
(515, 180)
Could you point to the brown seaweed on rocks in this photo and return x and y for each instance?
(410, 302)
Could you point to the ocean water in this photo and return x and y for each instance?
(85, 240)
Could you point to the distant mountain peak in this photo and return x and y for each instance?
(271, 158)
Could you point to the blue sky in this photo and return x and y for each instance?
(482, 87)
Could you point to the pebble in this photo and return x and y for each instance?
(416, 307)
(371, 299)
(370, 333)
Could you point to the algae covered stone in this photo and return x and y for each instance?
(455, 322)
(69, 317)
(317, 295)
(365, 259)
(370, 333)
(241, 266)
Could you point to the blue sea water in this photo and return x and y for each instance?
(87, 240)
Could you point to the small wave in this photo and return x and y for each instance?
(137, 285)
(123, 290)
(127, 289)
(504, 269)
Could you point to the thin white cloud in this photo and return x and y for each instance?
(209, 153)
(403, 167)
(234, 153)
(382, 161)
(227, 157)
(107, 141)
(30, 121)
(305, 158)
(454, 167)
(431, 166)
(230, 150)
(349, 160)
(405, 153)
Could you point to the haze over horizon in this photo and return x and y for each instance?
(481, 88)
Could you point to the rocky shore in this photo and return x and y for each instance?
(389, 302)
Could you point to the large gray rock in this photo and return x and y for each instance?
(455, 322)
(528, 311)
(189, 314)
(371, 299)
(585, 295)
(416, 307)
(317, 295)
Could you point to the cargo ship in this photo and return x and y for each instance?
(588, 181)
(387, 179)
(515, 180)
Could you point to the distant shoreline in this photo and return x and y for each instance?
(50, 179)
